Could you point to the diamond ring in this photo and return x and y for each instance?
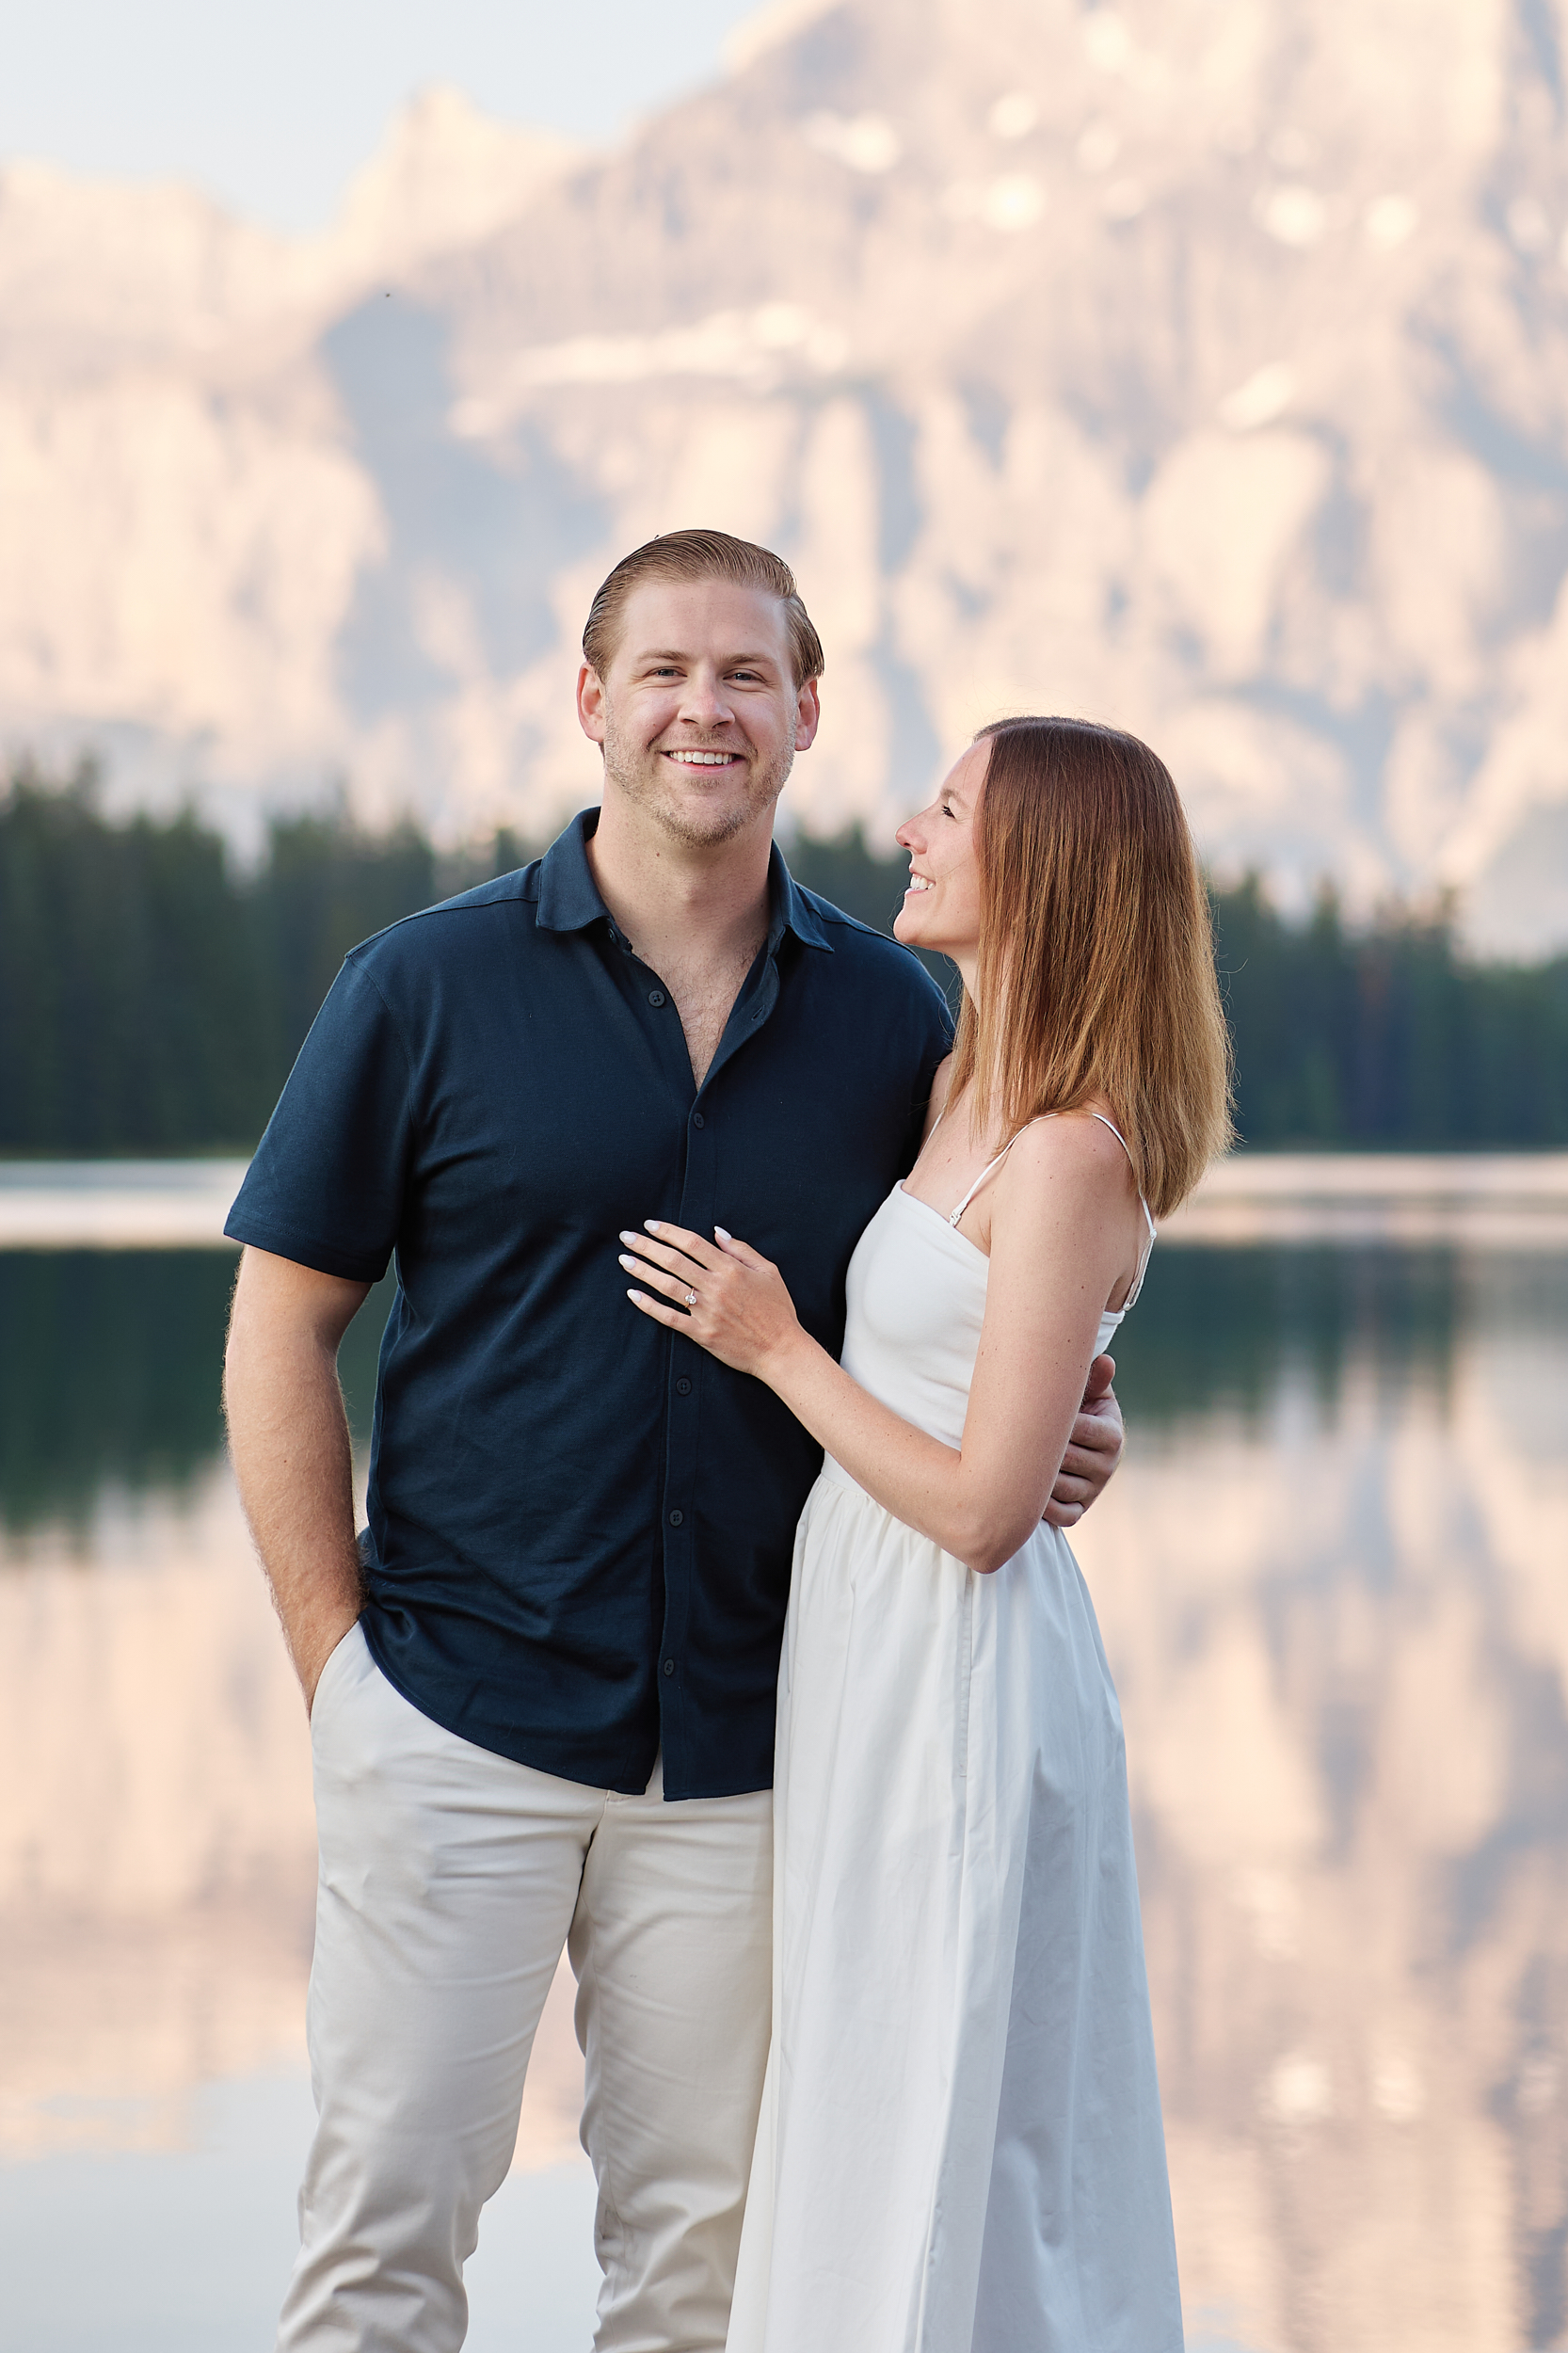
(691, 1299)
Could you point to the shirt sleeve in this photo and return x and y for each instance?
(326, 1185)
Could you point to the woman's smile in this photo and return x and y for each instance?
(942, 838)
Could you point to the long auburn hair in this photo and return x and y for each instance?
(1096, 955)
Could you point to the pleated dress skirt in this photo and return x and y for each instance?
(960, 2145)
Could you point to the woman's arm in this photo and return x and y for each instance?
(1062, 1233)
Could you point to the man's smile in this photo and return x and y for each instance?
(685, 758)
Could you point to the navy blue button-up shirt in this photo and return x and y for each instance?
(582, 1525)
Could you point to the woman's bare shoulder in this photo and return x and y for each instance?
(1075, 1148)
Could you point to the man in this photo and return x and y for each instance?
(542, 1688)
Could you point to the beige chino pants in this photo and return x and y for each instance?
(450, 1880)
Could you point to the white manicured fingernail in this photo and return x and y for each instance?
(650, 1224)
(722, 1235)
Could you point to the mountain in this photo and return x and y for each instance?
(1201, 366)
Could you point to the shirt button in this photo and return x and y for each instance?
(682, 1388)
(669, 1666)
(697, 1119)
(676, 1518)
(655, 996)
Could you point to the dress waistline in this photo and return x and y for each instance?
(834, 1475)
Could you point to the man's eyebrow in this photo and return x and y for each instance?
(731, 662)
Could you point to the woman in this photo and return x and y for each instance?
(960, 2143)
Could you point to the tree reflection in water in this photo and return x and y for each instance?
(110, 1360)
(1331, 1581)
(110, 1363)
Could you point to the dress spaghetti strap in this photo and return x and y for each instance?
(1131, 1299)
(991, 1167)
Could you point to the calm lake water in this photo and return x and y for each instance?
(1331, 1583)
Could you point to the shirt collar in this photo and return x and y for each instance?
(792, 910)
(567, 893)
(569, 899)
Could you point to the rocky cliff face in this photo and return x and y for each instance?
(1201, 365)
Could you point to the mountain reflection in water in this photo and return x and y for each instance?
(1331, 1582)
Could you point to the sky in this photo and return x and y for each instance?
(273, 108)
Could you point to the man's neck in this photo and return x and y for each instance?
(675, 904)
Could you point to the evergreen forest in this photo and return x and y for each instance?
(153, 995)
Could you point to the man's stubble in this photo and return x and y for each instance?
(696, 824)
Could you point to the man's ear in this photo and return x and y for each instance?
(591, 704)
(807, 715)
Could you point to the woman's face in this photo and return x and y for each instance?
(941, 906)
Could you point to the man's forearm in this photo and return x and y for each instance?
(288, 1441)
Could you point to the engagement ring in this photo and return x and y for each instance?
(691, 1299)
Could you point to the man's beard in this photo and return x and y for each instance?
(645, 779)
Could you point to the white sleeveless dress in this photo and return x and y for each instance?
(960, 2147)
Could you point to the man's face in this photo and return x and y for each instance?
(699, 716)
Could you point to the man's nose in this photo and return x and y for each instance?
(705, 702)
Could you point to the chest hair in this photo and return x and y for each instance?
(705, 990)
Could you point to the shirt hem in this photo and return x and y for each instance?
(523, 1751)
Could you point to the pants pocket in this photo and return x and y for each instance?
(341, 1655)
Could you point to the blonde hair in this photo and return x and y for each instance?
(701, 556)
(1096, 957)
